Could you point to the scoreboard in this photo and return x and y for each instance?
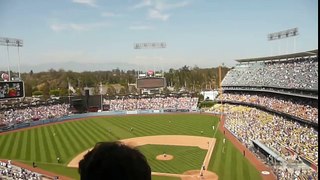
(151, 82)
(11, 89)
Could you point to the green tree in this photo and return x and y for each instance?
(122, 91)
(45, 89)
(193, 79)
(111, 91)
(54, 92)
(37, 93)
(134, 90)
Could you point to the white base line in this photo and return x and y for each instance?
(209, 152)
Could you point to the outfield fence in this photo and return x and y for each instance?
(90, 114)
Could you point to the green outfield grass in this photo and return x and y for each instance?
(185, 158)
(230, 163)
(44, 144)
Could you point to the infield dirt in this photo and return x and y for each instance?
(176, 140)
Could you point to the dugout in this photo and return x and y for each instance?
(267, 152)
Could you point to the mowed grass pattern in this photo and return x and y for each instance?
(229, 163)
(44, 144)
(185, 158)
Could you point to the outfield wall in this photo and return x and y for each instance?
(90, 114)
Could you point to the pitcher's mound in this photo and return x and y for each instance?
(164, 157)
(195, 174)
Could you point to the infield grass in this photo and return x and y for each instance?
(184, 158)
(44, 144)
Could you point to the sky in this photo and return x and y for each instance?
(88, 35)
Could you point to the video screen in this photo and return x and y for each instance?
(151, 83)
(11, 89)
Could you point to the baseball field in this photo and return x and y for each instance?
(67, 140)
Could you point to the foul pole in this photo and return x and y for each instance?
(101, 99)
(221, 93)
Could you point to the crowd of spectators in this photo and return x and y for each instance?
(295, 173)
(298, 107)
(300, 73)
(11, 116)
(157, 103)
(16, 116)
(9, 171)
(275, 132)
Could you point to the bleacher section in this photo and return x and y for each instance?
(285, 91)
(12, 172)
(300, 73)
(167, 103)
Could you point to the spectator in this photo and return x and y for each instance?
(10, 171)
(129, 104)
(297, 73)
(114, 160)
(276, 133)
(15, 115)
(301, 108)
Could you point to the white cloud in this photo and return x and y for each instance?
(141, 27)
(156, 8)
(161, 5)
(77, 27)
(111, 14)
(57, 27)
(80, 27)
(142, 4)
(155, 14)
(91, 3)
(108, 14)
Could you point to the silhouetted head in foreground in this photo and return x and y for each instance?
(114, 161)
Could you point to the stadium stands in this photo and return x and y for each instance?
(276, 133)
(11, 172)
(299, 73)
(11, 116)
(156, 103)
(15, 116)
(298, 107)
(278, 85)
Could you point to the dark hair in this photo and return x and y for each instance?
(114, 161)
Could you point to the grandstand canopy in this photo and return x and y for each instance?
(284, 56)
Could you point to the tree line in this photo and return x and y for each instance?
(56, 82)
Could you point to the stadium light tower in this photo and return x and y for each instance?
(4, 41)
(284, 34)
(153, 45)
(149, 45)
